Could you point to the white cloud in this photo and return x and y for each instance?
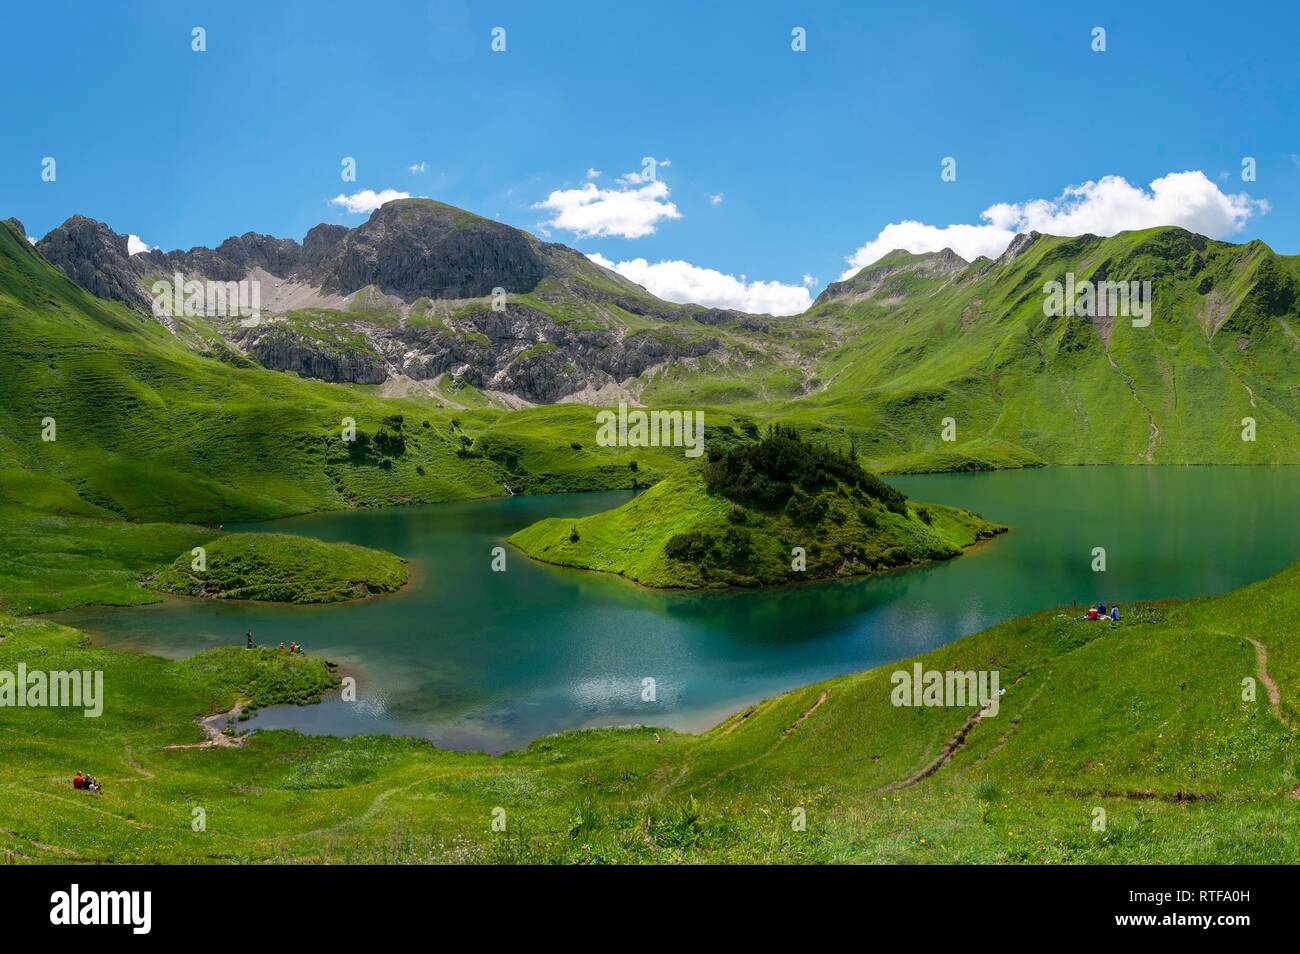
(367, 200)
(419, 166)
(809, 280)
(593, 173)
(682, 282)
(715, 199)
(1103, 207)
(31, 239)
(135, 245)
(592, 212)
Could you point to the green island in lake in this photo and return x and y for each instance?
(774, 510)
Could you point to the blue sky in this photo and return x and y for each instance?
(781, 165)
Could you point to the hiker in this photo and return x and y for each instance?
(250, 637)
(281, 646)
(78, 781)
(91, 784)
(1101, 608)
(1092, 613)
(1114, 613)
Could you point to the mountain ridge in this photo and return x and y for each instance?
(882, 359)
(411, 295)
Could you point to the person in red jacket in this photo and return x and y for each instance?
(78, 781)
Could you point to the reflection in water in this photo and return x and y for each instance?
(475, 659)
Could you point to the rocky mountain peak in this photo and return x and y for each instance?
(418, 247)
(1018, 245)
(888, 275)
(96, 258)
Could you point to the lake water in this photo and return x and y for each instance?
(475, 659)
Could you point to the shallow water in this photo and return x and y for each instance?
(474, 659)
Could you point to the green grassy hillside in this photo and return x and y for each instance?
(742, 518)
(1113, 743)
(917, 339)
(282, 569)
(114, 437)
(146, 429)
(60, 551)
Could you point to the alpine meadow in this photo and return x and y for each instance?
(499, 484)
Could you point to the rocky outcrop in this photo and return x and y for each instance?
(96, 258)
(889, 275)
(1017, 247)
(408, 293)
(285, 350)
(418, 247)
(320, 242)
(521, 351)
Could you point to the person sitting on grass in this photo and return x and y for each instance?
(78, 781)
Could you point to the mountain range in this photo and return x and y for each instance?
(920, 361)
(406, 300)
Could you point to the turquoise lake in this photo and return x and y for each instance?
(474, 659)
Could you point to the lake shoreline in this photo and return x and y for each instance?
(493, 661)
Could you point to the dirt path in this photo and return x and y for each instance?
(1153, 429)
(951, 746)
(1274, 694)
(39, 845)
(215, 737)
(815, 706)
(1015, 722)
(943, 758)
(136, 767)
(788, 731)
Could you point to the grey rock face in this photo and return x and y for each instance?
(414, 250)
(875, 280)
(1018, 245)
(287, 351)
(419, 247)
(95, 257)
(521, 351)
(319, 242)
